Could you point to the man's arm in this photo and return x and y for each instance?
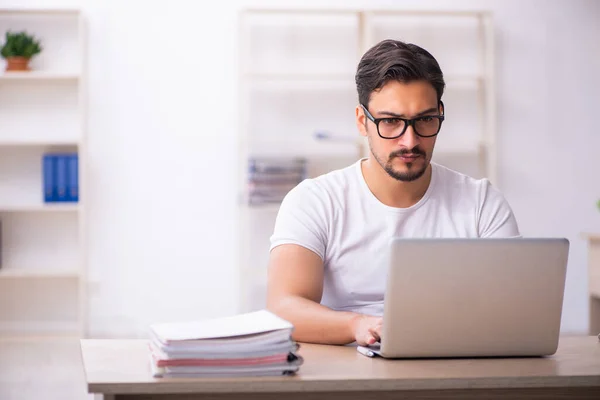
(295, 288)
(496, 218)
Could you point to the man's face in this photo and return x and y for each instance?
(407, 157)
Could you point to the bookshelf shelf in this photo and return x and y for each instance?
(35, 273)
(282, 76)
(35, 76)
(39, 143)
(45, 208)
(42, 244)
(32, 11)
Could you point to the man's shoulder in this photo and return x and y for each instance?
(454, 180)
(331, 182)
(463, 188)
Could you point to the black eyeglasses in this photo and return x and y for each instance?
(394, 127)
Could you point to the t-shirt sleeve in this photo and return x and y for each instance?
(496, 218)
(302, 219)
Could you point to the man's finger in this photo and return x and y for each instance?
(375, 334)
(378, 330)
(370, 338)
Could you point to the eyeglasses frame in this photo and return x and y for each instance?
(407, 122)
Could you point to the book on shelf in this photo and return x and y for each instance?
(60, 177)
(257, 343)
(271, 178)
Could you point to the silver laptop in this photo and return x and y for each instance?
(473, 297)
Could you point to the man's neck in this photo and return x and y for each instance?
(392, 192)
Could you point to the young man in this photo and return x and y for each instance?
(327, 269)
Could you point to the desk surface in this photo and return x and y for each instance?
(122, 366)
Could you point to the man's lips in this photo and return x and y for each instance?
(409, 157)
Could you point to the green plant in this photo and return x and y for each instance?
(20, 44)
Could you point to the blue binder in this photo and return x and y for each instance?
(73, 177)
(61, 177)
(49, 177)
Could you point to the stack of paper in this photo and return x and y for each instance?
(252, 344)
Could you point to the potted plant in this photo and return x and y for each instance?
(18, 49)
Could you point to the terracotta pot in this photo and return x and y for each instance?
(17, 64)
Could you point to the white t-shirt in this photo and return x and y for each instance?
(337, 217)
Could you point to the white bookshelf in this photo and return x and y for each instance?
(43, 271)
(296, 76)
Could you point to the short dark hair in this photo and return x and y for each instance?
(395, 60)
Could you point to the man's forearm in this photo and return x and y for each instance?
(315, 323)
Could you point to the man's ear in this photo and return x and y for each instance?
(442, 108)
(361, 119)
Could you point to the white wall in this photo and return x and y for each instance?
(162, 145)
(548, 83)
(163, 163)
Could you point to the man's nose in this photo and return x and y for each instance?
(409, 139)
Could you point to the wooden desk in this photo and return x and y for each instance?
(119, 369)
(594, 281)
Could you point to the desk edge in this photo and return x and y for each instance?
(373, 385)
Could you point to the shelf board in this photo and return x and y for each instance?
(369, 12)
(34, 143)
(47, 207)
(39, 76)
(36, 273)
(39, 11)
(340, 76)
(428, 13)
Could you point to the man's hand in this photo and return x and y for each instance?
(367, 329)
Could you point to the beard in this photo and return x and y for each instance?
(407, 176)
(412, 173)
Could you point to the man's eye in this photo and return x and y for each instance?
(391, 121)
(426, 119)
